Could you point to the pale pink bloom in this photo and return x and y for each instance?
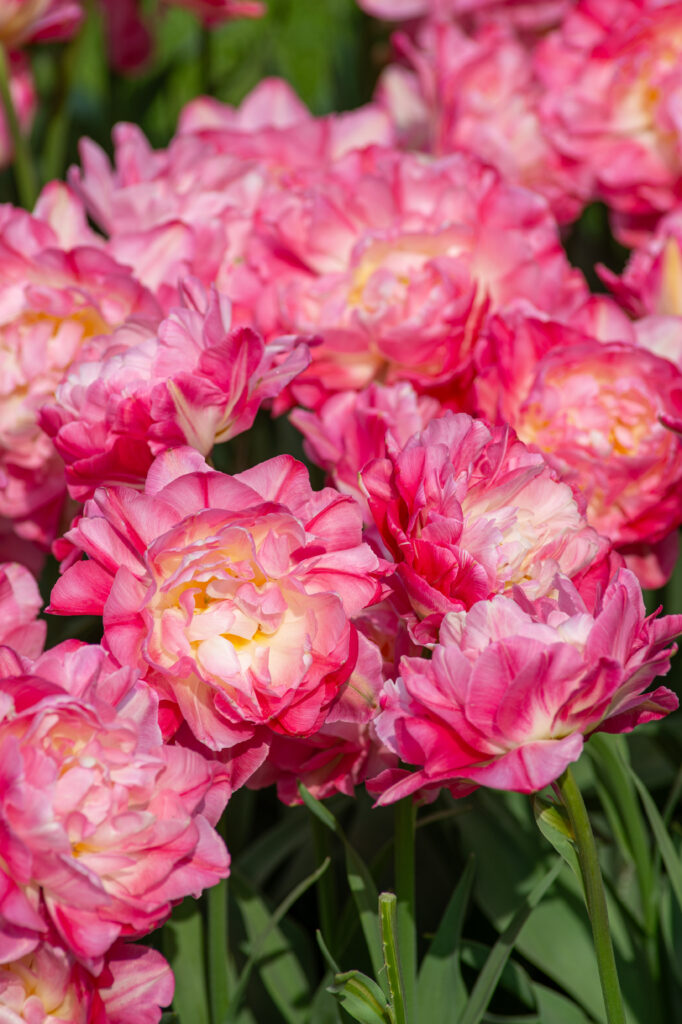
(352, 428)
(467, 513)
(613, 75)
(479, 93)
(188, 209)
(233, 593)
(104, 826)
(215, 12)
(594, 410)
(24, 99)
(395, 260)
(28, 21)
(54, 299)
(512, 690)
(272, 125)
(169, 213)
(193, 380)
(49, 985)
(20, 603)
(344, 752)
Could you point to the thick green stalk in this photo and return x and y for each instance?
(390, 942)
(218, 946)
(595, 896)
(405, 820)
(219, 995)
(24, 171)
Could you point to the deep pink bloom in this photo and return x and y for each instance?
(233, 593)
(57, 292)
(50, 985)
(23, 92)
(594, 409)
(513, 689)
(395, 260)
(467, 513)
(104, 826)
(351, 429)
(128, 38)
(193, 380)
(478, 92)
(612, 75)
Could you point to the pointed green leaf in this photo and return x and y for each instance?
(440, 983)
(278, 965)
(486, 982)
(669, 854)
(184, 948)
(360, 882)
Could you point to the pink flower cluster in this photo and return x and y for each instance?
(461, 605)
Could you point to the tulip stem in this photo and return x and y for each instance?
(595, 896)
(218, 946)
(24, 171)
(405, 821)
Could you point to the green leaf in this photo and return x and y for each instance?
(183, 947)
(617, 793)
(361, 998)
(672, 862)
(554, 1007)
(279, 968)
(555, 827)
(486, 982)
(557, 938)
(263, 856)
(514, 980)
(440, 983)
(360, 882)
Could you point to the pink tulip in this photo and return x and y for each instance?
(57, 292)
(395, 260)
(595, 410)
(612, 76)
(104, 826)
(467, 513)
(193, 380)
(513, 689)
(478, 92)
(352, 428)
(20, 603)
(50, 985)
(233, 594)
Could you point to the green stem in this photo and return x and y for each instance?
(218, 989)
(218, 947)
(390, 942)
(326, 895)
(404, 823)
(24, 171)
(595, 896)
